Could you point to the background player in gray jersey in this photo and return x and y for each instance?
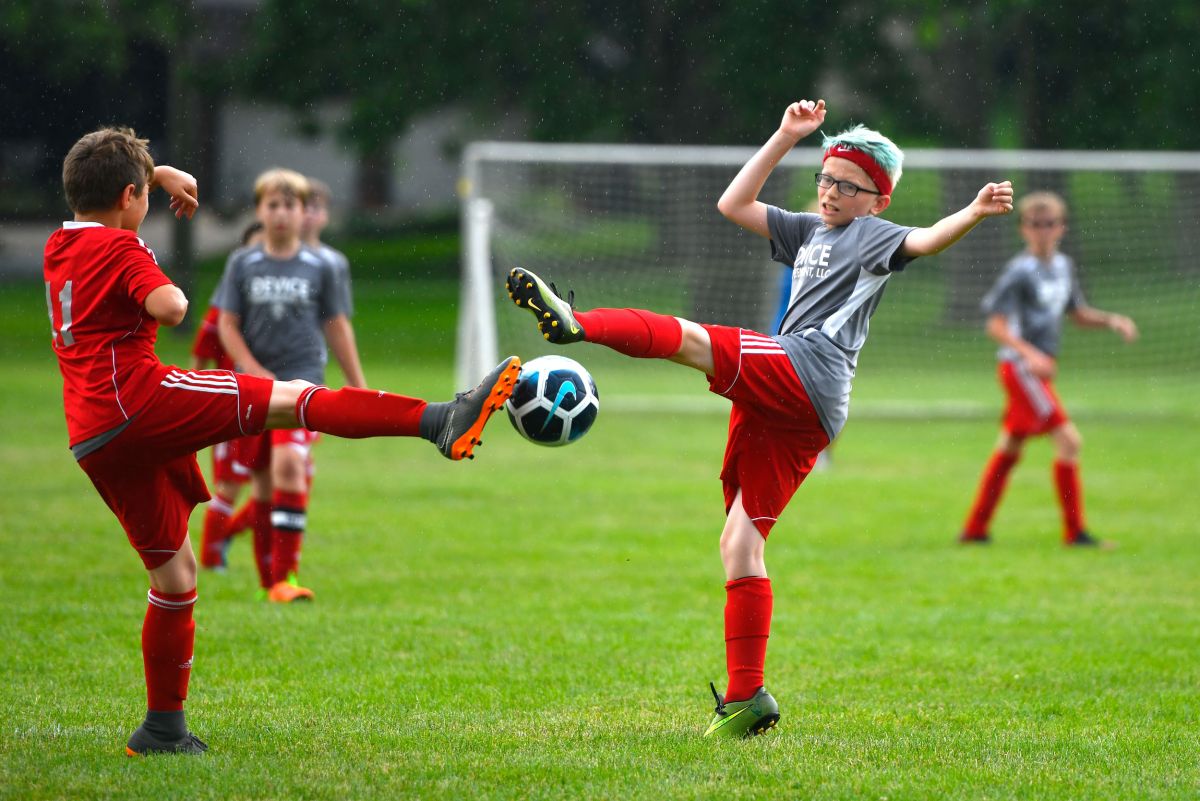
(281, 303)
(790, 391)
(1025, 310)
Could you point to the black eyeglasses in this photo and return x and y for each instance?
(844, 187)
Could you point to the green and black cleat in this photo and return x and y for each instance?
(163, 733)
(739, 719)
(555, 315)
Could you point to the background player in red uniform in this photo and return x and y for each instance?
(790, 392)
(1025, 309)
(228, 473)
(281, 303)
(135, 425)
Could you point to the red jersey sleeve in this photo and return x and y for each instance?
(141, 271)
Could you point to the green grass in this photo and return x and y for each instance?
(543, 624)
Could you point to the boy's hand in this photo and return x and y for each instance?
(181, 187)
(802, 118)
(1124, 326)
(994, 200)
(1040, 364)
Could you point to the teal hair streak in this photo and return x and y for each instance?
(885, 152)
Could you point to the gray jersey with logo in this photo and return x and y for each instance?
(1034, 294)
(283, 305)
(838, 277)
(341, 268)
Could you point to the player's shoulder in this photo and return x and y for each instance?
(247, 255)
(88, 241)
(332, 253)
(1022, 263)
(312, 257)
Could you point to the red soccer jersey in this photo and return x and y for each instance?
(97, 281)
(207, 344)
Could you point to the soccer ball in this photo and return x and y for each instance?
(555, 401)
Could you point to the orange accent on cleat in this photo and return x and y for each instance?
(503, 388)
(131, 753)
(285, 593)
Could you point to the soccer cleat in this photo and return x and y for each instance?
(975, 539)
(144, 743)
(738, 719)
(555, 316)
(289, 590)
(462, 429)
(1084, 540)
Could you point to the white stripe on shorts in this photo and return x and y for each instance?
(220, 385)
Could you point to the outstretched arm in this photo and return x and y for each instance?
(180, 186)
(740, 201)
(992, 200)
(1088, 317)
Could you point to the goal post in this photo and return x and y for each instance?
(637, 225)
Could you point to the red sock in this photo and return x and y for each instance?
(288, 520)
(167, 636)
(747, 625)
(260, 516)
(1070, 497)
(216, 530)
(634, 332)
(241, 520)
(991, 488)
(357, 413)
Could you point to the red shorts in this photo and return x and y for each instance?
(1033, 406)
(255, 451)
(227, 466)
(775, 434)
(148, 474)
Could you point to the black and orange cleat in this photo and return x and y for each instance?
(456, 427)
(555, 315)
(974, 538)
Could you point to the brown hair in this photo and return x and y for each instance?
(1042, 201)
(101, 164)
(318, 190)
(289, 182)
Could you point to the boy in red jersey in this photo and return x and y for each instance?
(1025, 309)
(228, 472)
(135, 424)
(789, 392)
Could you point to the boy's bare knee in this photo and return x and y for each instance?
(178, 574)
(289, 468)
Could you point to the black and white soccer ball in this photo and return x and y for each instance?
(555, 401)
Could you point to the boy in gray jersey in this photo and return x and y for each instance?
(790, 391)
(281, 303)
(1025, 309)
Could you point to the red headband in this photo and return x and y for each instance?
(864, 160)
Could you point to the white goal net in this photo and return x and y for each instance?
(638, 226)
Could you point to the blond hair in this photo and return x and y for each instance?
(278, 179)
(101, 164)
(1041, 201)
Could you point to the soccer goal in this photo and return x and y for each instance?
(638, 226)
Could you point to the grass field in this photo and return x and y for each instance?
(543, 624)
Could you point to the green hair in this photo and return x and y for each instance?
(885, 152)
